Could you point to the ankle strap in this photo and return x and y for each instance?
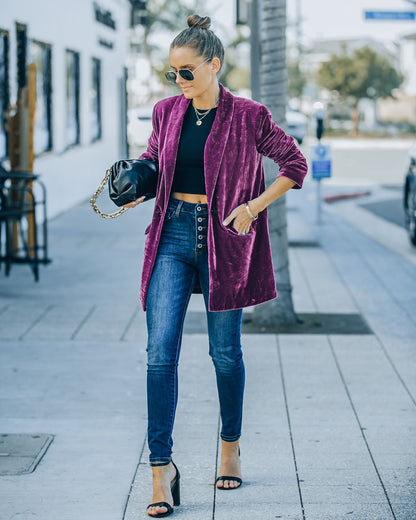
(154, 464)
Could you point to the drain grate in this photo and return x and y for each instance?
(20, 453)
(309, 323)
(314, 323)
(304, 243)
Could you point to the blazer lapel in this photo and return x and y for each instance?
(173, 134)
(217, 140)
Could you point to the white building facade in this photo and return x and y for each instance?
(80, 49)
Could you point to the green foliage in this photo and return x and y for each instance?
(233, 75)
(169, 16)
(296, 79)
(164, 15)
(364, 74)
(237, 79)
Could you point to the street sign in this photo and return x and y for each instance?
(399, 16)
(321, 161)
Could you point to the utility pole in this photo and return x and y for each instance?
(255, 48)
(298, 28)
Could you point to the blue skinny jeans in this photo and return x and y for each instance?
(181, 256)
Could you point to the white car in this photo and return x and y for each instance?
(139, 125)
(297, 124)
(409, 198)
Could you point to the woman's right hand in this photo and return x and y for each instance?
(135, 202)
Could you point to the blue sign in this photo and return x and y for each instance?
(321, 161)
(401, 16)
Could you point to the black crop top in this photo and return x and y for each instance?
(189, 170)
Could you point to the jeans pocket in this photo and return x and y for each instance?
(170, 212)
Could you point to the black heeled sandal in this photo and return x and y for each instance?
(236, 479)
(176, 495)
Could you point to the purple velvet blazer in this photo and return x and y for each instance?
(240, 266)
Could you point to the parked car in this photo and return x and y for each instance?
(139, 125)
(297, 124)
(409, 198)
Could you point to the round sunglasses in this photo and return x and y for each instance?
(186, 74)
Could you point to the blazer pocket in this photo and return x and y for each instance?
(230, 229)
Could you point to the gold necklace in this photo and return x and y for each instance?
(200, 115)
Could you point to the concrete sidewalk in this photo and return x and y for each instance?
(330, 419)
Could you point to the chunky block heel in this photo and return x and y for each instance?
(176, 489)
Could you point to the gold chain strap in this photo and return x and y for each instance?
(95, 197)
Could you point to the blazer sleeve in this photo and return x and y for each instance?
(274, 143)
(152, 152)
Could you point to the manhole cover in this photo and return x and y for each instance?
(20, 453)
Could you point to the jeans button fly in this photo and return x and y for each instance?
(199, 219)
(198, 208)
(200, 228)
(199, 246)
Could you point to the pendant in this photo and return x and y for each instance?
(199, 123)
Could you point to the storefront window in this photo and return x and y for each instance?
(4, 90)
(72, 130)
(96, 100)
(40, 55)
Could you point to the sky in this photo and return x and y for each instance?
(336, 18)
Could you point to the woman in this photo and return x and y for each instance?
(209, 234)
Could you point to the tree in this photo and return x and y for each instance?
(163, 17)
(273, 93)
(365, 74)
(296, 79)
(169, 16)
(233, 75)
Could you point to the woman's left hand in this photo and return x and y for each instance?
(242, 220)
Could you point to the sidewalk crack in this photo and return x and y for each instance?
(83, 322)
(38, 320)
(282, 377)
(341, 375)
(129, 323)
(134, 479)
(216, 469)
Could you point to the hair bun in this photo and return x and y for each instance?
(201, 22)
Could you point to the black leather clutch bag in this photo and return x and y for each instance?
(128, 180)
(131, 179)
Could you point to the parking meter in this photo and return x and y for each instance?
(320, 114)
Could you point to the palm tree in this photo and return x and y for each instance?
(272, 92)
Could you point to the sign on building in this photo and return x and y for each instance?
(398, 16)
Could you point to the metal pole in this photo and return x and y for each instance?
(318, 202)
(298, 27)
(255, 44)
